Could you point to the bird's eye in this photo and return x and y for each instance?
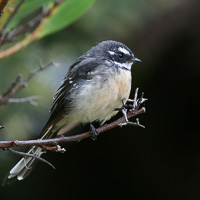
(120, 55)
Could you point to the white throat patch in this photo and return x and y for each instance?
(126, 65)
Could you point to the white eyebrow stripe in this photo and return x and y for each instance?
(123, 50)
(111, 52)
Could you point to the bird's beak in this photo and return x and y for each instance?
(133, 59)
(136, 59)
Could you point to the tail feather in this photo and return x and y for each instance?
(26, 164)
(24, 167)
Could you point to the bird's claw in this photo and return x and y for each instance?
(94, 132)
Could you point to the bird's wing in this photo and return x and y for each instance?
(62, 105)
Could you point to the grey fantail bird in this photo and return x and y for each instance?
(93, 89)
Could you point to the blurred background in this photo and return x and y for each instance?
(161, 161)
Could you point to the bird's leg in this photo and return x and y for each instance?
(94, 132)
(124, 106)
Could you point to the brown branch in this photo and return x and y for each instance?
(35, 35)
(24, 28)
(31, 155)
(56, 141)
(13, 85)
(13, 89)
(3, 4)
(13, 13)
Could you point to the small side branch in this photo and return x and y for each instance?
(13, 13)
(30, 155)
(18, 85)
(136, 103)
(9, 36)
(13, 85)
(37, 24)
(31, 100)
(3, 4)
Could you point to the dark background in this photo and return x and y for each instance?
(161, 161)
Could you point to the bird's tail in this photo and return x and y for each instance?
(24, 167)
(26, 164)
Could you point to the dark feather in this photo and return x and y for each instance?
(62, 104)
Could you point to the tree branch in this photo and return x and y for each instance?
(13, 89)
(13, 85)
(3, 4)
(24, 28)
(56, 141)
(31, 155)
(13, 13)
(31, 37)
(31, 100)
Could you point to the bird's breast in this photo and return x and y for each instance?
(98, 98)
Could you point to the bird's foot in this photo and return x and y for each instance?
(124, 106)
(94, 132)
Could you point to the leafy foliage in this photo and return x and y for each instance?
(68, 12)
(39, 18)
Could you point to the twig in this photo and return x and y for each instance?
(3, 4)
(13, 13)
(24, 28)
(14, 83)
(35, 35)
(31, 100)
(13, 90)
(134, 108)
(55, 141)
(30, 155)
(135, 98)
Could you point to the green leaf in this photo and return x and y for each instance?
(27, 8)
(67, 13)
